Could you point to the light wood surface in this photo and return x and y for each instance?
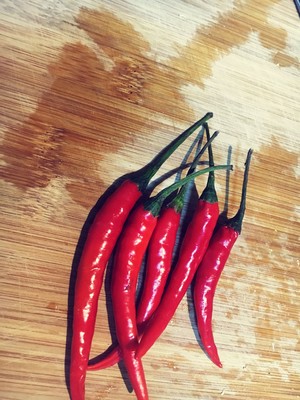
(91, 90)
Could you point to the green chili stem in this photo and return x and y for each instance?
(201, 152)
(154, 204)
(143, 176)
(237, 221)
(178, 202)
(209, 194)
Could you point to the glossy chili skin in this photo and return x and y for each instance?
(206, 281)
(101, 239)
(115, 354)
(107, 360)
(159, 260)
(211, 267)
(128, 259)
(192, 250)
(158, 265)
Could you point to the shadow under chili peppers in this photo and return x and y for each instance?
(193, 317)
(111, 324)
(190, 204)
(190, 198)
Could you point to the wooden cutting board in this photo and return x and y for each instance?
(91, 90)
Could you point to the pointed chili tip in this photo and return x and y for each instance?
(249, 154)
(215, 359)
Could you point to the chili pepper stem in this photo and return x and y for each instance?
(237, 221)
(154, 204)
(168, 223)
(209, 194)
(143, 176)
(178, 201)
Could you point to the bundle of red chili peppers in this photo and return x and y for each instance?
(131, 226)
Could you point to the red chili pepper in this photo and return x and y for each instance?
(129, 254)
(161, 249)
(210, 270)
(192, 250)
(158, 265)
(97, 250)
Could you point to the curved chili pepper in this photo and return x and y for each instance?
(129, 254)
(161, 248)
(210, 270)
(101, 239)
(158, 264)
(164, 237)
(192, 250)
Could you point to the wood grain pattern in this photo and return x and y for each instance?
(91, 90)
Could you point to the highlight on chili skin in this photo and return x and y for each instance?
(102, 237)
(132, 225)
(210, 270)
(192, 249)
(158, 262)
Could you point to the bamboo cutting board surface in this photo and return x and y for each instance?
(91, 90)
